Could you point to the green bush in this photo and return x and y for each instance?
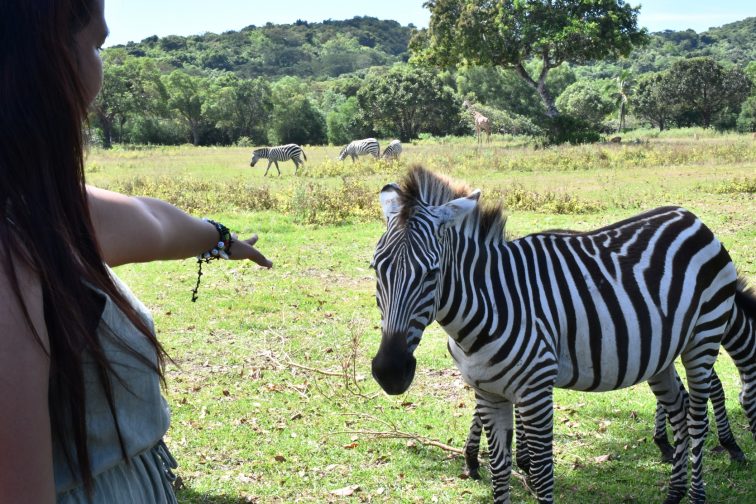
(568, 129)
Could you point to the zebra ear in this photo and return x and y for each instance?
(390, 200)
(458, 208)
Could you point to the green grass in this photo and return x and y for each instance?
(255, 419)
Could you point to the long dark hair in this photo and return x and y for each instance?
(44, 215)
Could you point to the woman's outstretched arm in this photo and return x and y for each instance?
(133, 229)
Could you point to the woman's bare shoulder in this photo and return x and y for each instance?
(21, 306)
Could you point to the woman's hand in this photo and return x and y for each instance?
(244, 249)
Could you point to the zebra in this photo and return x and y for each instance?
(393, 151)
(360, 148)
(592, 311)
(279, 153)
(739, 342)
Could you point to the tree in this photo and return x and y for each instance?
(295, 118)
(345, 123)
(185, 96)
(131, 86)
(508, 33)
(653, 100)
(407, 100)
(703, 86)
(240, 107)
(586, 100)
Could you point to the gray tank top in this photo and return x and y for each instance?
(143, 418)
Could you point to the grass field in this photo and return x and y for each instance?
(271, 392)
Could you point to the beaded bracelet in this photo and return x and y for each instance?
(222, 250)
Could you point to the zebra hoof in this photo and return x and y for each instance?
(736, 454)
(666, 449)
(472, 473)
(523, 465)
(675, 496)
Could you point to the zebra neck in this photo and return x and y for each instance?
(479, 298)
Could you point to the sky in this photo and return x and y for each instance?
(134, 20)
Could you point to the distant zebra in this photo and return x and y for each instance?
(592, 311)
(360, 148)
(279, 153)
(393, 151)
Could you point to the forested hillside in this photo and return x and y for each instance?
(301, 49)
(330, 82)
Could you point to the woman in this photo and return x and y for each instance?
(81, 416)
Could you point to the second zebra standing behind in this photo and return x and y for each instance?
(279, 153)
(360, 148)
(393, 151)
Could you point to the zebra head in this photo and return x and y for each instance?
(258, 154)
(343, 153)
(407, 265)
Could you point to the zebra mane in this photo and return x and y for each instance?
(261, 150)
(423, 187)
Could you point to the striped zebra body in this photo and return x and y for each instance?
(359, 148)
(393, 151)
(279, 153)
(588, 311)
(739, 341)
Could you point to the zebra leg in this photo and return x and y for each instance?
(537, 413)
(699, 363)
(472, 445)
(660, 434)
(496, 417)
(277, 168)
(724, 433)
(522, 455)
(660, 424)
(667, 391)
(268, 168)
(296, 166)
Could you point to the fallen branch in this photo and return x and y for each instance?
(395, 433)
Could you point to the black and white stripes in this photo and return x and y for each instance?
(393, 151)
(279, 153)
(361, 148)
(588, 311)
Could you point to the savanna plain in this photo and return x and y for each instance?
(270, 389)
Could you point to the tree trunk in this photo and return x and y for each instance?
(540, 88)
(548, 100)
(107, 132)
(195, 132)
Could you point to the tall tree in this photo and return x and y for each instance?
(408, 100)
(186, 97)
(653, 99)
(131, 86)
(508, 33)
(705, 87)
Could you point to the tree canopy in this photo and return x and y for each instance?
(508, 33)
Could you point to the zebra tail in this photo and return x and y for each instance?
(745, 298)
(304, 155)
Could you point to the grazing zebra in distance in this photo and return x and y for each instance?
(279, 153)
(360, 148)
(393, 151)
(591, 311)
